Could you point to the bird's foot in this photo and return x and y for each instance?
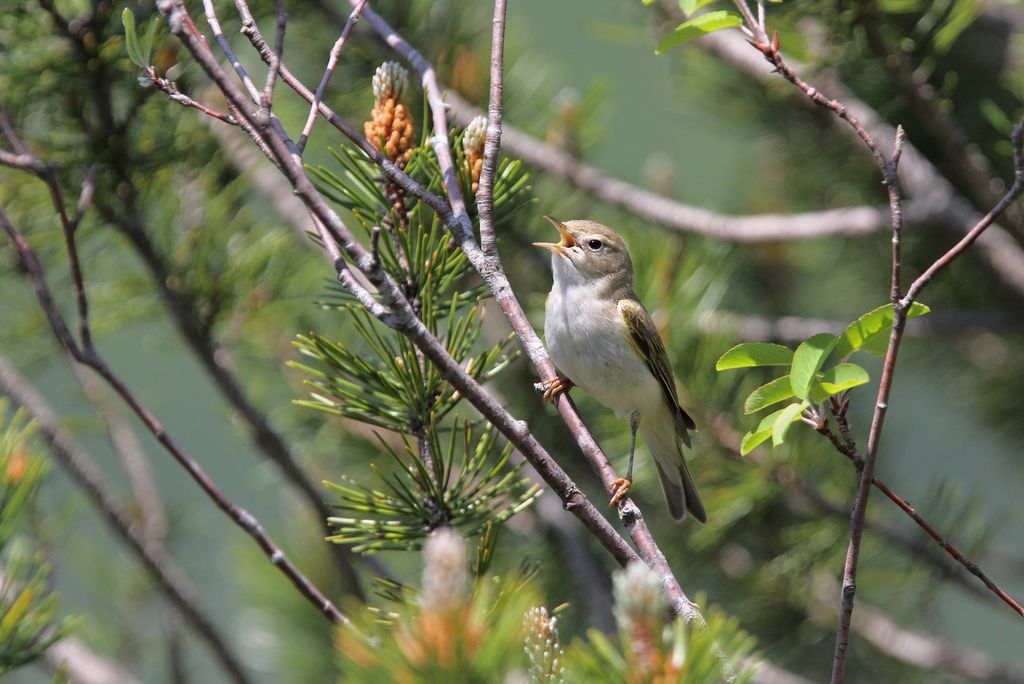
(552, 388)
(620, 490)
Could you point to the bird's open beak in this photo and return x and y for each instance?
(565, 243)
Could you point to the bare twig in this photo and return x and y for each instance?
(225, 46)
(170, 88)
(918, 177)
(901, 307)
(848, 448)
(981, 226)
(684, 218)
(87, 355)
(332, 62)
(267, 96)
(88, 476)
(492, 141)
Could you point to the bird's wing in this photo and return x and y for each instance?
(644, 337)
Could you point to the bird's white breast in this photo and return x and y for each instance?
(589, 343)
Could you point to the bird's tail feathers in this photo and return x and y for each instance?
(680, 491)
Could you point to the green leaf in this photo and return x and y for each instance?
(131, 39)
(842, 377)
(749, 354)
(807, 361)
(787, 417)
(779, 389)
(147, 40)
(870, 332)
(691, 6)
(759, 434)
(698, 26)
(752, 440)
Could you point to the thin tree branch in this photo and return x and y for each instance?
(267, 96)
(170, 88)
(332, 62)
(87, 355)
(846, 446)
(901, 307)
(492, 141)
(1017, 138)
(918, 177)
(90, 479)
(683, 218)
(225, 47)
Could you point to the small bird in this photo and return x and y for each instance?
(603, 340)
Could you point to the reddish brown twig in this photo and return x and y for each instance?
(170, 88)
(848, 448)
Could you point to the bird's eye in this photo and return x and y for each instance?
(594, 244)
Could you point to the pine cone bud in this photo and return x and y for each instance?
(473, 147)
(542, 646)
(391, 128)
(641, 612)
(446, 581)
